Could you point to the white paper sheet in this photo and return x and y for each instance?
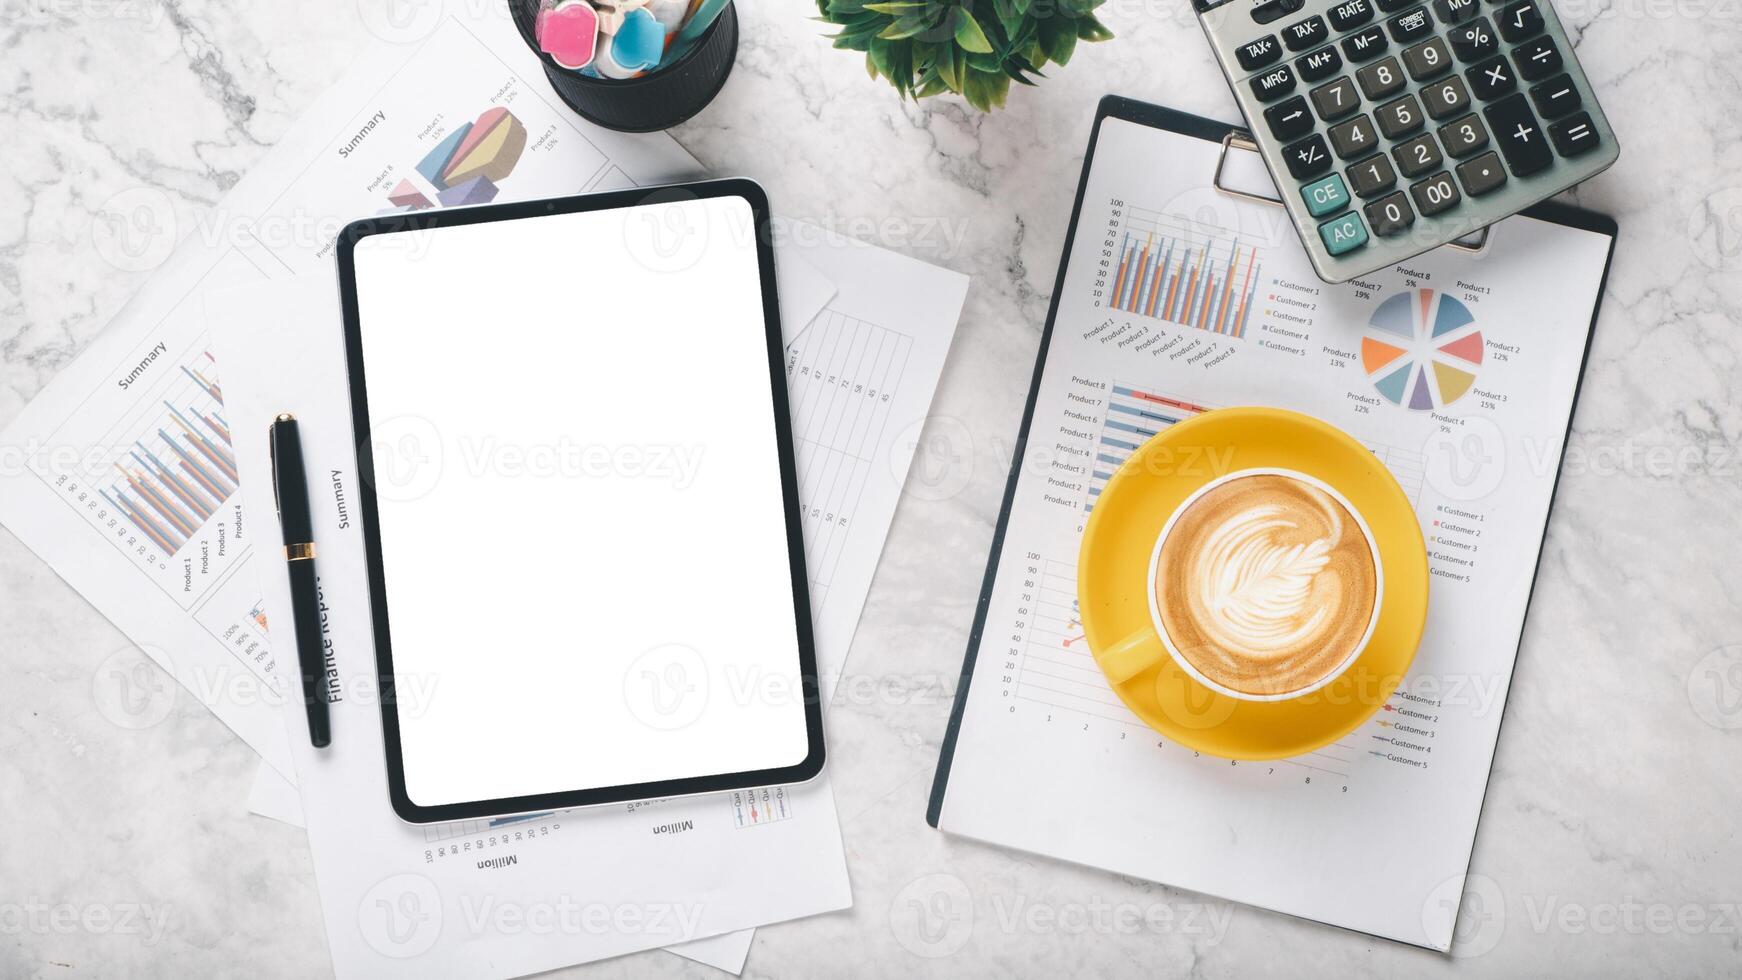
(170, 566)
(481, 898)
(1373, 832)
(861, 376)
(273, 796)
(803, 293)
(864, 426)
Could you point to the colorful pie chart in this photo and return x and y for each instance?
(1422, 349)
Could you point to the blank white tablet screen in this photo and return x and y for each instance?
(582, 525)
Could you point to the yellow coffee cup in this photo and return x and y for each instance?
(1125, 630)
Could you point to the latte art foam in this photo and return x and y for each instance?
(1266, 584)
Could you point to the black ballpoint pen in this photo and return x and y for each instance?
(290, 489)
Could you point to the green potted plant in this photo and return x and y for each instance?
(974, 48)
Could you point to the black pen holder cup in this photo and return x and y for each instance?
(657, 100)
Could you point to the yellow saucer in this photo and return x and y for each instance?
(1119, 542)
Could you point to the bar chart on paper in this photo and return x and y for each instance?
(1189, 273)
(175, 474)
(1134, 415)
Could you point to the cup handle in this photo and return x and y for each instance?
(1131, 656)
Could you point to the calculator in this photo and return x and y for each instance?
(1395, 126)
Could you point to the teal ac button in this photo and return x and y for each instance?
(1326, 196)
(1343, 234)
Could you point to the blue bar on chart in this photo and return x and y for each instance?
(1133, 416)
(1210, 285)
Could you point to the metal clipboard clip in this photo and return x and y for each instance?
(1242, 140)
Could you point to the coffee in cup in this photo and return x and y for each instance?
(1265, 584)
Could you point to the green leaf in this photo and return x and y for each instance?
(1091, 29)
(969, 35)
(1059, 38)
(903, 27)
(984, 90)
(949, 67)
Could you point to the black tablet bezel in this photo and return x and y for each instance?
(412, 812)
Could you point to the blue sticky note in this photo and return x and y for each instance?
(640, 41)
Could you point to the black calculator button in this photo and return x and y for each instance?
(1454, 11)
(1537, 59)
(1334, 100)
(1411, 26)
(1350, 14)
(1465, 136)
(1269, 10)
(1492, 78)
(1365, 45)
(1393, 6)
(1428, 59)
(1303, 34)
(1482, 174)
(1307, 158)
(1574, 135)
(1556, 97)
(1372, 176)
(1273, 84)
(1354, 138)
(1473, 40)
(1446, 98)
(1381, 79)
(1254, 55)
(1289, 119)
(1418, 156)
(1519, 21)
(1390, 214)
(1319, 65)
(1399, 117)
(1519, 135)
(1435, 194)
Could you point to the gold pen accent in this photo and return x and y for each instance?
(299, 552)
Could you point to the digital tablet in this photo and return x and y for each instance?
(595, 579)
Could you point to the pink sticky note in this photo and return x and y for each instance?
(569, 33)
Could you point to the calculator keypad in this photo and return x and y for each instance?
(1391, 115)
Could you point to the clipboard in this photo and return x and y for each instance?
(987, 691)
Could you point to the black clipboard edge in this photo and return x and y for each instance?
(1172, 120)
(806, 769)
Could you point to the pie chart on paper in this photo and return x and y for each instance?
(1422, 349)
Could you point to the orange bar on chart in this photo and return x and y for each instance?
(1119, 280)
(1137, 285)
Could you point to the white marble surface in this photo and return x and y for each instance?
(1609, 842)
